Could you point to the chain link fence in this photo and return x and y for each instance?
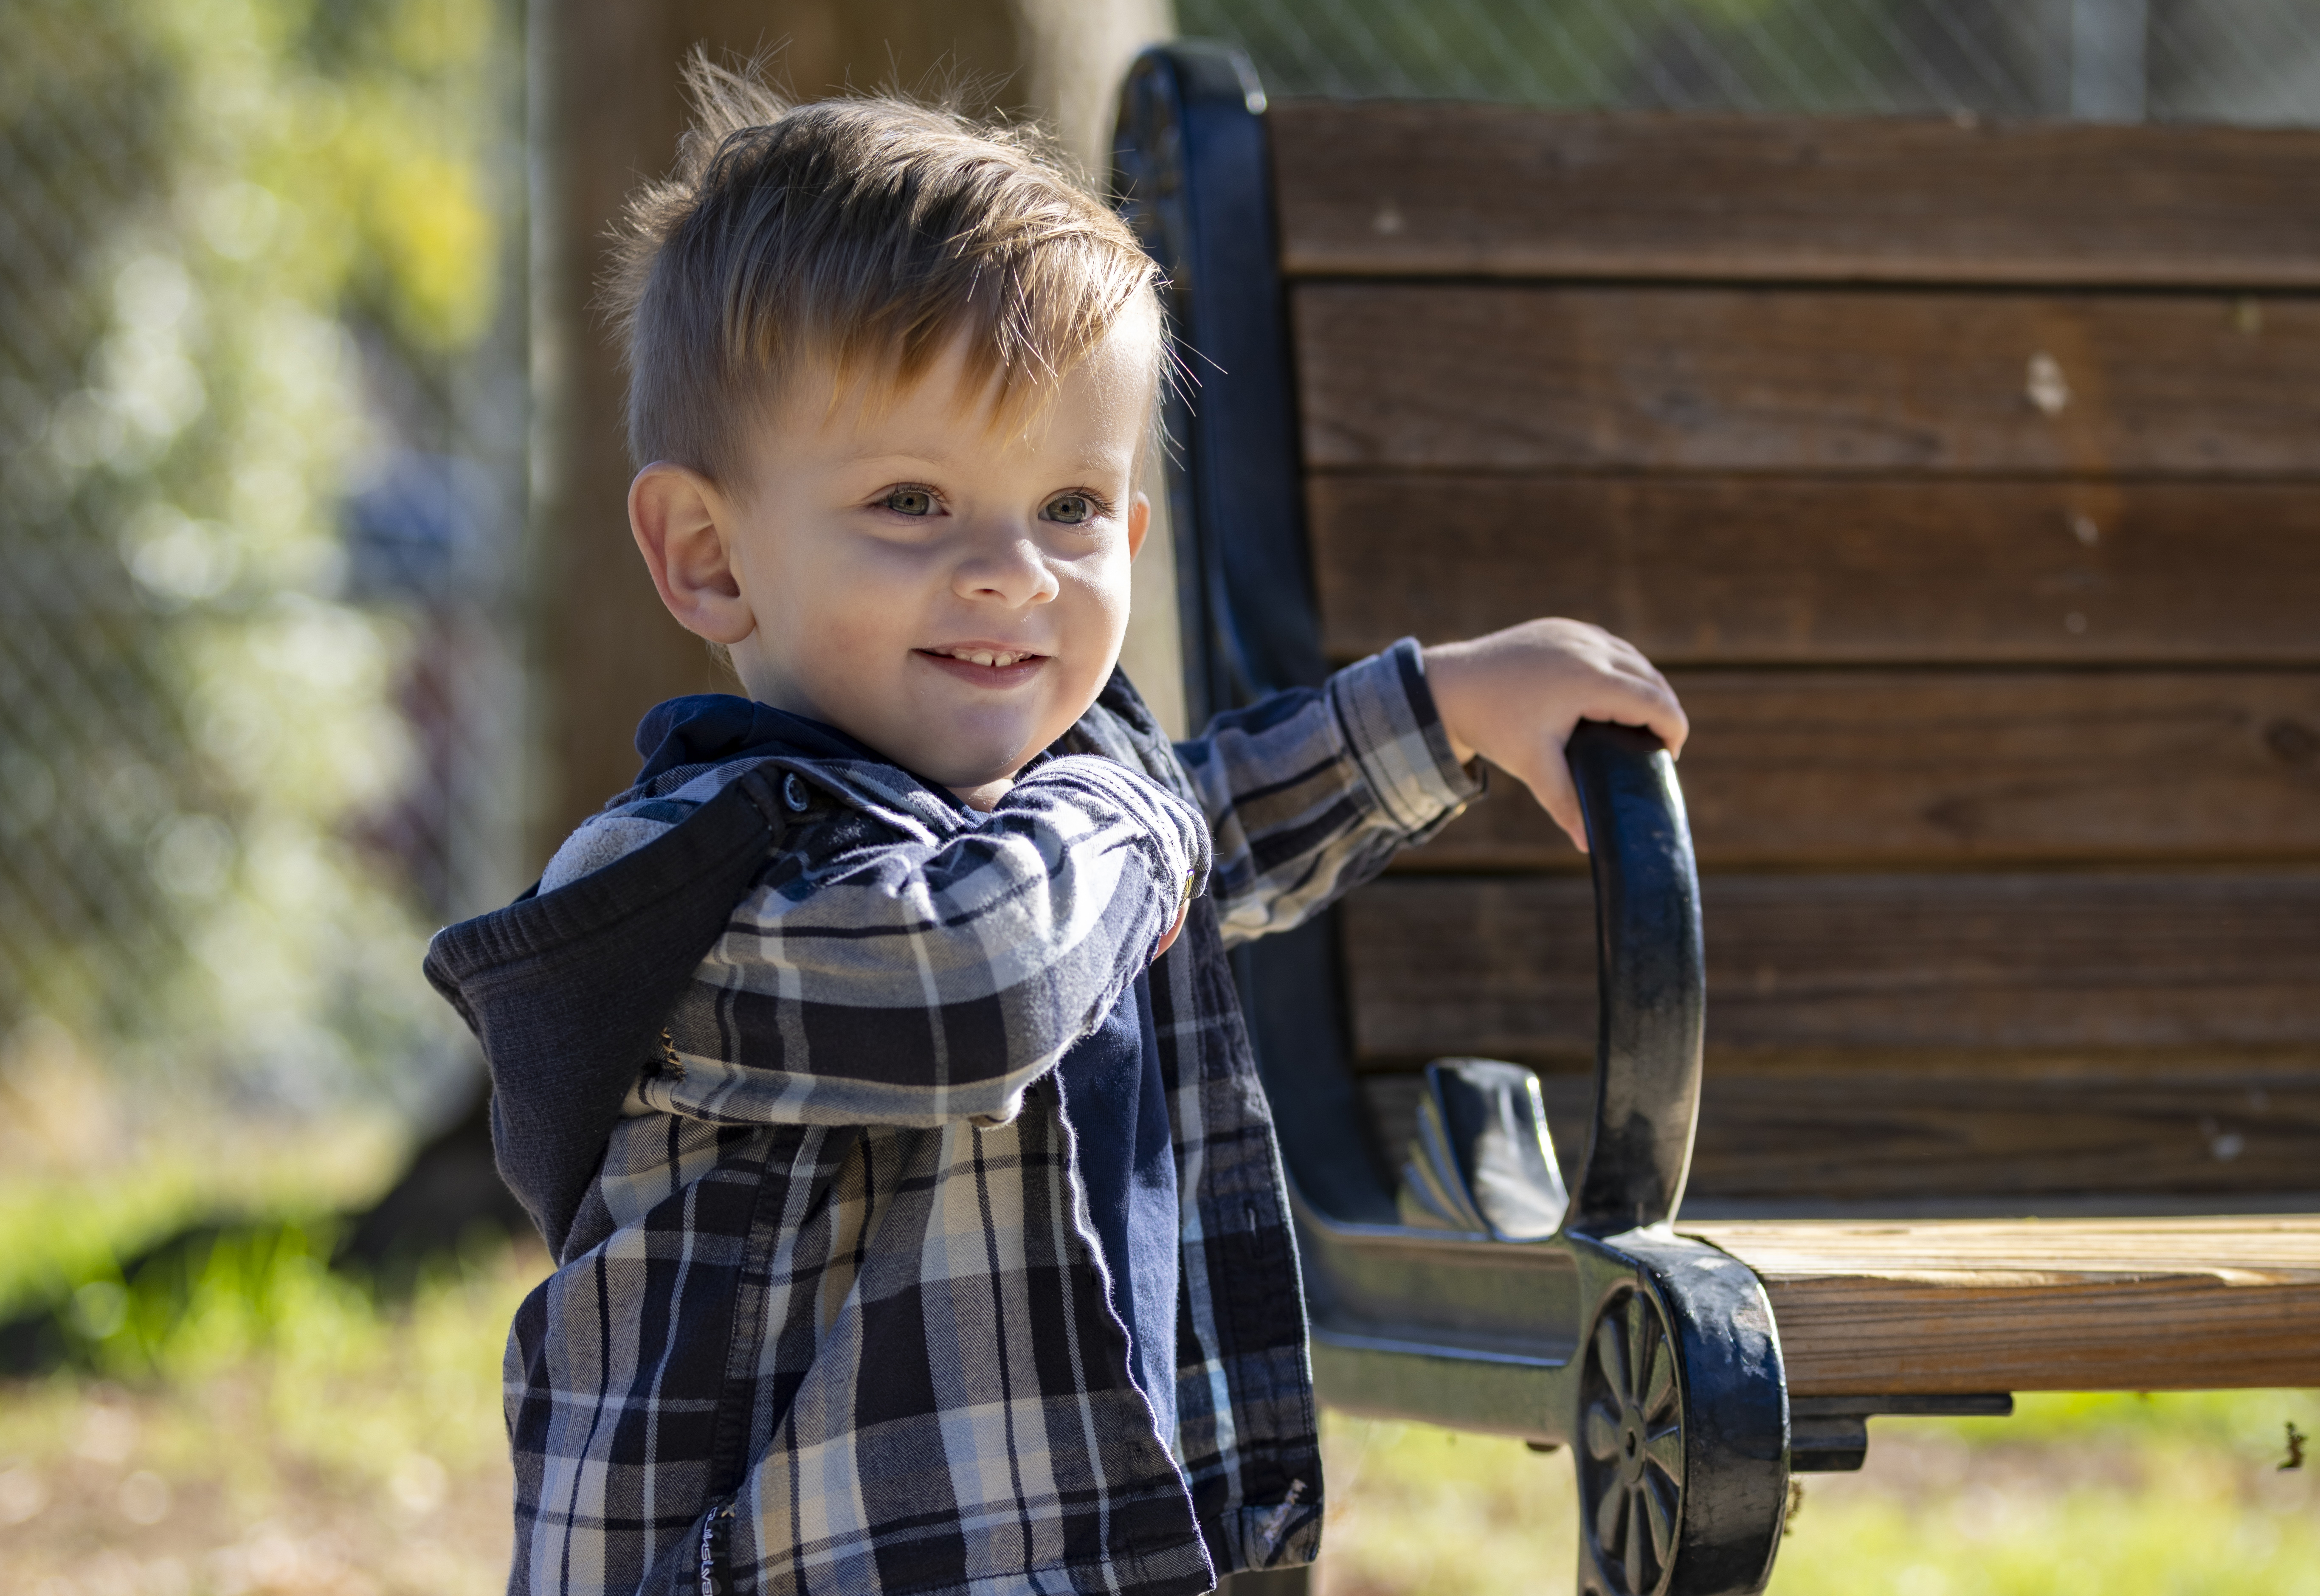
(261, 424)
(81, 694)
(2251, 61)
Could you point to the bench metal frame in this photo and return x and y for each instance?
(1653, 1355)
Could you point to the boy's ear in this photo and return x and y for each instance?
(1139, 521)
(683, 527)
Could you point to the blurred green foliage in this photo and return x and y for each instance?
(70, 1249)
(211, 206)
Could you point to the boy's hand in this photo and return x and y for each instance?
(1514, 696)
(1174, 931)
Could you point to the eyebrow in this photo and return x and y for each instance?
(928, 457)
(1096, 457)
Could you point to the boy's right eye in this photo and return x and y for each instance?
(910, 501)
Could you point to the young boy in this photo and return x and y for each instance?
(872, 1065)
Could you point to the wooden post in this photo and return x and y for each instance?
(606, 112)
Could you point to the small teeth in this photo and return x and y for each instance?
(986, 657)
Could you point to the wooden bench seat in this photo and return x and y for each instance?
(2127, 1304)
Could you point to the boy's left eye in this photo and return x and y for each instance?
(1071, 509)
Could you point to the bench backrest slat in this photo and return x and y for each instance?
(1728, 570)
(1372, 190)
(1905, 769)
(1845, 965)
(1507, 377)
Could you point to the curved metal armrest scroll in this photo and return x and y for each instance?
(1650, 977)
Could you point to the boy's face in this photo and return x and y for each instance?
(952, 593)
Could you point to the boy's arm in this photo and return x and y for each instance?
(915, 983)
(1311, 791)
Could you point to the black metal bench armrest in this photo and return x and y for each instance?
(1650, 976)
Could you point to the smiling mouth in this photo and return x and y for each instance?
(990, 659)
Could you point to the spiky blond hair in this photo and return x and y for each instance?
(862, 234)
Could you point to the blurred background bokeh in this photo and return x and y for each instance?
(262, 403)
(320, 624)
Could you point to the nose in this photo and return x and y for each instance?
(1004, 564)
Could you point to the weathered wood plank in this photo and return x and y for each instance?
(1885, 768)
(2062, 1305)
(1899, 1138)
(1806, 571)
(1492, 190)
(1512, 379)
(1505, 966)
(1882, 1134)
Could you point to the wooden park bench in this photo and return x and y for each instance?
(1966, 478)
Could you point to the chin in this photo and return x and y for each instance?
(995, 754)
(948, 765)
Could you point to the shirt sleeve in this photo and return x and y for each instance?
(919, 982)
(1311, 792)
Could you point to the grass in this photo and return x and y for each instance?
(231, 1415)
(2172, 1494)
(72, 1215)
(247, 1420)
(286, 1433)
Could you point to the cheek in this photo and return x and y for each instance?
(848, 595)
(1098, 584)
(1097, 590)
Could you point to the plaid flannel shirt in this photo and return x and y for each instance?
(830, 1316)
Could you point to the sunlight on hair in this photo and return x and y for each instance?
(861, 234)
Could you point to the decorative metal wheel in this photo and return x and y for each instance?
(1631, 1446)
